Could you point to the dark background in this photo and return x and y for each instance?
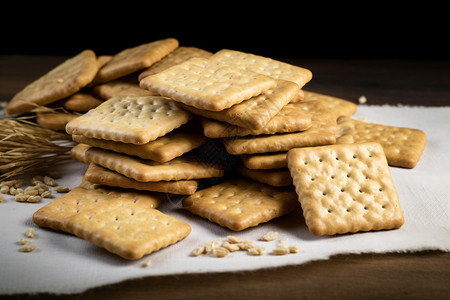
(276, 29)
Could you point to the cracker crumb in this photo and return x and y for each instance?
(294, 249)
(280, 251)
(61, 189)
(23, 241)
(220, 252)
(269, 236)
(257, 251)
(198, 251)
(28, 247)
(30, 233)
(146, 264)
(362, 99)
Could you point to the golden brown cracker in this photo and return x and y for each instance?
(81, 102)
(208, 85)
(338, 106)
(273, 177)
(130, 119)
(403, 146)
(60, 82)
(241, 203)
(345, 188)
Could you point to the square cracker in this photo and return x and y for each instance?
(130, 119)
(206, 84)
(133, 59)
(403, 146)
(322, 132)
(87, 196)
(62, 81)
(345, 188)
(264, 65)
(163, 149)
(123, 86)
(256, 112)
(273, 177)
(184, 167)
(128, 230)
(240, 203)
(99, 175)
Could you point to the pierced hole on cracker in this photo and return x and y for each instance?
(330, 210)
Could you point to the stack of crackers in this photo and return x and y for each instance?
(164, 107)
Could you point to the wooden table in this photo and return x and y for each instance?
(419, 275)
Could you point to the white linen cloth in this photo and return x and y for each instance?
(65, 264)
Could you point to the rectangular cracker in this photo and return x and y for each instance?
(240, 203)
(273, 177)
(78, 152)
(62, 81)
(136, 58)
(130, 119)
(163, 149)
(184, 167)
(256, 112)
(123, 86)
(403, 146)
(264, 65)
(87, 196)
(345, 188)
(322, 132)
(177, 56)
(99, 175)
(81, 102)
(338, 106)
(265, 161)
(127, 230)
(206, 84)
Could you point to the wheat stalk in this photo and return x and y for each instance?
(26, 147)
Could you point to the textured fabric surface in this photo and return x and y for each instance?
(63, 263)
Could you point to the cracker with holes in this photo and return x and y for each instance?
(133, 59)
(403, 146)
(177, 56)
(163, 149)
(99, 175)
(265, 161)
(78, 152)
(345, 188)
(322, 132)
(185, 167)
(128, 230)
(206, 84)
(85, 197)
(62, 81)
(130, 119)
(240, 203)
(81, 102)
(264, 65)
(257, 112)
(123, 86)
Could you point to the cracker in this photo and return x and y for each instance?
(264, 65)
(183, 167)
(179, 55)
(403, 146)
(78, 152)
(163, 149)
(62, 81)
(87, 196)
(240, 203)
(299, 97)
(99, 175)
(127, 230)
(338, 106)
(345, 188)
(271, 160)
(206, 84)
(274, 177)
(130, 119)
(54, 120)
(81, 102)
(123, 86)
(257, 112)
(322, 132)
(133, 59)
(291, 118)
